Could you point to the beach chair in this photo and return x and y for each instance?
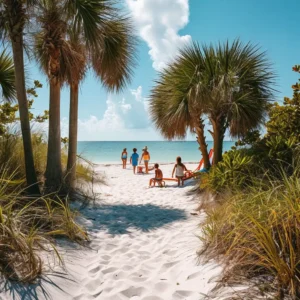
(140, 170)
(197, 171)
(201, 164)
(161, 183)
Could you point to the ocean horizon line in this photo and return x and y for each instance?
(130, 141)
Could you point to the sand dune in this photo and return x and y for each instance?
(144, 243)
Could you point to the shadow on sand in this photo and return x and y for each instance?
(33, 291)
(119, 219)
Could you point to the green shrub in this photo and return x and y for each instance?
(233, 172)
(258, 233)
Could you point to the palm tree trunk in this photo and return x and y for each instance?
(53, 170)
(73, 130)
(202, 143)
(31, 178)
(218, 135)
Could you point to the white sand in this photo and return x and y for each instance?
(144, 243)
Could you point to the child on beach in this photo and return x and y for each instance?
(134, 159)
(124, 158)
(179, 168)
(146, 157)
(158, 176)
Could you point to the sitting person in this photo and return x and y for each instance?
(179, 168)
(158, 176)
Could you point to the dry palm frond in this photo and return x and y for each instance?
(114, 57)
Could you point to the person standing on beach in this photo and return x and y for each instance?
(124, 158)
(179, 168)
(146, 158)
(134, 159)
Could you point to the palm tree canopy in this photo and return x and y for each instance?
(171, 106)
(114, 57)
(88, 29)
(230, 81)
(7, 77)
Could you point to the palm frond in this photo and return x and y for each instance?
(55, 55)
(3, 22)
(114, 58)
(7, 76)
(89, 16)
(231, 81)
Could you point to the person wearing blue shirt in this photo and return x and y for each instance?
(134, 159)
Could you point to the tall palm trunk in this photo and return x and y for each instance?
(73, 131)
(53, 170)
(202, 143)
(17, 47)
(218, 135)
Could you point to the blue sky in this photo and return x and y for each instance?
(163, 26)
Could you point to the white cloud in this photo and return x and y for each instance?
(121, 117)
(159, 22)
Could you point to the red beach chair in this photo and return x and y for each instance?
(140, 170)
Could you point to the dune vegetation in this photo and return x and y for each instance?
(39, 173)
(253, 225)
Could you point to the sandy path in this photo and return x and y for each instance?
(144, 243)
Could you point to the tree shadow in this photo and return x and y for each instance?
(121, 219)
(31, 291)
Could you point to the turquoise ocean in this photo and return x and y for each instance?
(160, 151)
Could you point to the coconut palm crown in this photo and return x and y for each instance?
(230, 84)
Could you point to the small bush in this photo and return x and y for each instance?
(234, 172)
(258, 234)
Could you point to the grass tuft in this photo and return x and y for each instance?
(256, 232)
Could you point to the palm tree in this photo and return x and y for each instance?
(59, 58)
(171, 107)
(7, 77)
(112, 59)
(13, 18)
(75, 77)
(231, 84)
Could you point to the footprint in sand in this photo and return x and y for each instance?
(195, 275)
(151, 298)
(169, 265)
(95, 270)
(106, 257)
(134, 292)
(127, 268)
(182, 295)
(110, 247)
(161, 287)
(109, 270)
(94, 284)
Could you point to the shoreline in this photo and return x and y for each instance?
(108, 164)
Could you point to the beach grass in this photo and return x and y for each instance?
(256, 232)
(30, 225)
